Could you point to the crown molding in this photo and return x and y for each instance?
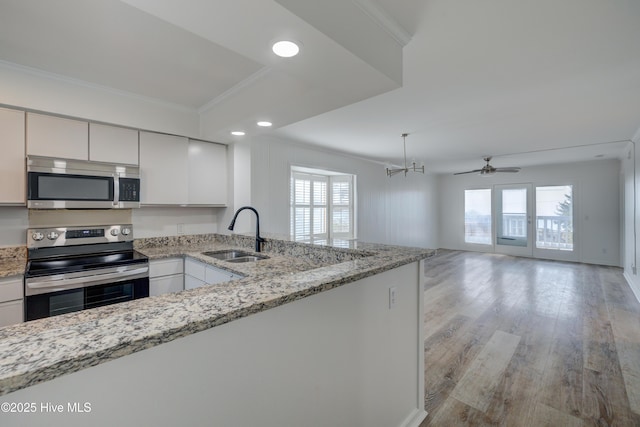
(94, 86)
(384, 21)
(235, 89)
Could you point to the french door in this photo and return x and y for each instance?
(513, 206)
(554, 223)
(520, 219)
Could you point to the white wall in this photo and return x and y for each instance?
(596, 205)
(396, 210)
(147, 221)
(631, 221)
(163, 221)
(14, 222)
(31, 89)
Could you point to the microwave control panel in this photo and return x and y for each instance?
(129, 190)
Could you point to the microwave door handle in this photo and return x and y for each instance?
(80, 282)
(116, 189)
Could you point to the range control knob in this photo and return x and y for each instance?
(37, 236)
(126, 231)
(52, 235)
(115, 232)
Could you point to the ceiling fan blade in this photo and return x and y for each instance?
(513, 170)
(463, 173)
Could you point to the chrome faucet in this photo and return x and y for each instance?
(259, 239)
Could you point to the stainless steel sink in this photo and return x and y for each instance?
(250, 258)
(225, 255)
(234, 256)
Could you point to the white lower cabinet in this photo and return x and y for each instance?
(198, 274)
(11, 313)
(166, 276)
(11, 301)
(191, 282)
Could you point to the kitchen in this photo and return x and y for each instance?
(203, 110)
(79, 274)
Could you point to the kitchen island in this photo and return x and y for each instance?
(313, 335)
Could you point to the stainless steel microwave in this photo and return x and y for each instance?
(77, 184)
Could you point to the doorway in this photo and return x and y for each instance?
(522, 220)
(513, 210)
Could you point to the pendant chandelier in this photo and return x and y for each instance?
(406, 168)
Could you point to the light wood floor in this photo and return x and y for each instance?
(522, 342)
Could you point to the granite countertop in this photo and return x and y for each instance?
(12, 261)
(38, 351)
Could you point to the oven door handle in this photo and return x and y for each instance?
(60, 282)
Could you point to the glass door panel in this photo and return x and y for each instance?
(554, 217)
(554, 224)
(477, 217)
(513, 219)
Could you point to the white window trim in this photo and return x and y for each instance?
(329, 177)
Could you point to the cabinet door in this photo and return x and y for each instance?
(113, 144)
(11, 288)
(11, 313)
(165, 267)
(207, 173)
(214, 275)
(194, 269)
(57, 137)
(163, 169)
(166, 284)
(192, 283)
(12, 160)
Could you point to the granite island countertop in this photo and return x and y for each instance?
(38, 351)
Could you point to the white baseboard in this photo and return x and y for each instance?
(634, 288)
(415, 418)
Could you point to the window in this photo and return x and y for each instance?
(477, 216)
(322, 205)
(554, 217)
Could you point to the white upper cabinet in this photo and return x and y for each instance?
(163, 169)
(112, 144)
(74, 139)
(12, 160)
(207, 173)
(57, 137)
(174, 170)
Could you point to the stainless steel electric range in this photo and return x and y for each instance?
(76, 268)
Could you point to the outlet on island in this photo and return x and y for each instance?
(180, 229)
(392, 297)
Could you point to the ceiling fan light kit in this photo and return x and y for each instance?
(489, 170)
(406, 168)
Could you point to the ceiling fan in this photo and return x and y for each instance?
(488, 169)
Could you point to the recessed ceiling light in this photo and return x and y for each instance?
(285, 48)
(237, 133)
(264, 124)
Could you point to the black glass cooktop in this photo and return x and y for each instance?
(85, 262)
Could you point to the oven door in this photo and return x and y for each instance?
(65, 293)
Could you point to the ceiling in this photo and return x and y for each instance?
(527, 82)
